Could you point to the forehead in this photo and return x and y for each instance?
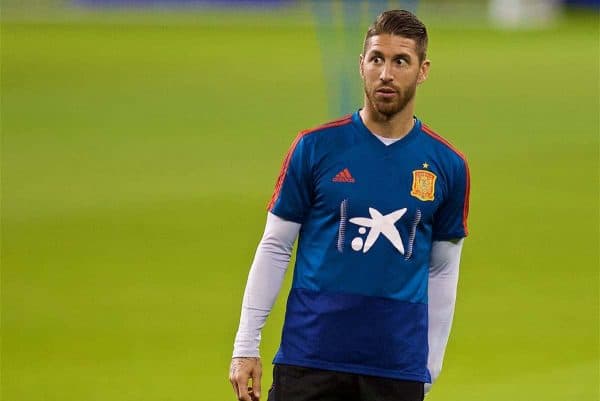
(391, 44)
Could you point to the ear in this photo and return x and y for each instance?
(423, 71)
(360, 65)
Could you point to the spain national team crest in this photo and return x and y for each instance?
(423, 186)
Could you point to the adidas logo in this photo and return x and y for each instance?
(344, 176)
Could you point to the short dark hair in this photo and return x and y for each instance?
(401, 23)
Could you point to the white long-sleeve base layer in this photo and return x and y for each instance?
(270, 264)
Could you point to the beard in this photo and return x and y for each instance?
(387, 108)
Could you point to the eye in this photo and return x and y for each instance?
(376, 59)
(401, 61)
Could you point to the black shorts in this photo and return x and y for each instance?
(295, 383)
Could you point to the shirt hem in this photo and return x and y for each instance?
(350, 368)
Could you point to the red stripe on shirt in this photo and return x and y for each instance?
(286, 161)
(436, 136)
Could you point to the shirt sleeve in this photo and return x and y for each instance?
(443, 281)
(264, 283)
(292, 196)
(450, 220)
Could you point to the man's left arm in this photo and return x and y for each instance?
(443, 281)
(449, 231)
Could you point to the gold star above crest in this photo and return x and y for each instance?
(425, 165)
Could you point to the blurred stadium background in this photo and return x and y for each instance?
(141, 141)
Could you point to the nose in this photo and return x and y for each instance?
(386, 73)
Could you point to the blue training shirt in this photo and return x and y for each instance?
(369, 213)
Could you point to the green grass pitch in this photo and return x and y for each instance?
(137, 160)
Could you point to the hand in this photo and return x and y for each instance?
(240, 372)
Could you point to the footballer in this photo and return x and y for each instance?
(378, 202)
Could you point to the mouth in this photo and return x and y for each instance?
(386, 92)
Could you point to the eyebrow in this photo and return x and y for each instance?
(377, 53)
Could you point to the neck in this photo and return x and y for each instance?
(394, 126)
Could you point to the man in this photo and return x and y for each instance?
(380, 204)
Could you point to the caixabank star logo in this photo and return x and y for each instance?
(379, 224)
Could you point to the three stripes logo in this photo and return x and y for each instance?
(344, 176)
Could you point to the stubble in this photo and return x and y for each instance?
(388, 108)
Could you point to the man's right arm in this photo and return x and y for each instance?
(264, 283)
